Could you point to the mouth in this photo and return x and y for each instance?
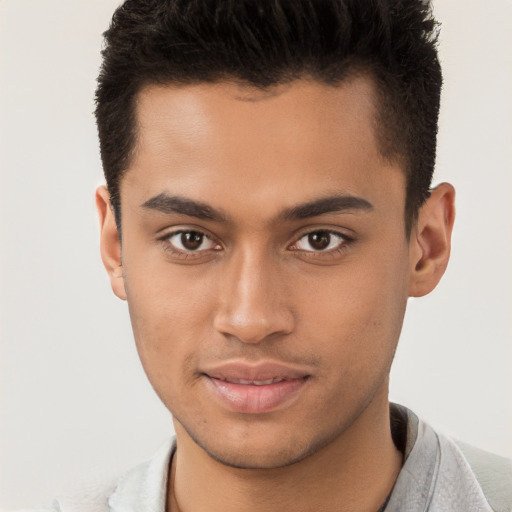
(247, 382)
(255, 389)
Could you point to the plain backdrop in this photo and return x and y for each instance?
(75, 403)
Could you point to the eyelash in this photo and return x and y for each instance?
(339, 248)
(186, 254)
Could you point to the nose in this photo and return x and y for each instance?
(253, 300)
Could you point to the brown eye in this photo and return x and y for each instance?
(191, 241)
(320, 241)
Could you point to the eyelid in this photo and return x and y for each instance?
(346, 240)
(320, 229)
(165, 237)
(204, 241)
(169, 231)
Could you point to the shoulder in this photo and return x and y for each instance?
(441, 475)
(143, 487)
(493, 473)
(469, 473)
(91, 497)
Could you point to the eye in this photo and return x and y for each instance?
(191, 241)
(320, 241)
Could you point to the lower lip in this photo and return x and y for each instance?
(252, 399)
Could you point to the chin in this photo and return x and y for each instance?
(261, 460)
(263, 451)
(248, 460)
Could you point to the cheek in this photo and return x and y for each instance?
(169, 313)
(356, 312)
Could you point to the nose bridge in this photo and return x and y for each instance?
(252, 302)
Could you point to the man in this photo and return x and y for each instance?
(267, 215)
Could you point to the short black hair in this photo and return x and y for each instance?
(267, 42)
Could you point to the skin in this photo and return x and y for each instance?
(257, 289)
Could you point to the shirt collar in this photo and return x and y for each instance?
(144, 488)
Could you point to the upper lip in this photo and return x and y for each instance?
(250, 371)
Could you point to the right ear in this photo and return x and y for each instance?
(110, 244)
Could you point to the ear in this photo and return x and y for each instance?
(430, 244)
(110, 244)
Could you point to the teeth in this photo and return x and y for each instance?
(255, 382)
(263, 382)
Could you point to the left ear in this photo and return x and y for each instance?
(110, 244)
(430, 244)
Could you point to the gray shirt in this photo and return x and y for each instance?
(438, 475)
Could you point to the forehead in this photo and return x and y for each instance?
(305, 137)
(242, 116)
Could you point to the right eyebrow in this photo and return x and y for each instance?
(167, 204)
(333, 204)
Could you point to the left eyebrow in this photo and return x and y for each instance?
(164, 203)
(332, 204)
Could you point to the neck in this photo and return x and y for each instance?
(355, 472)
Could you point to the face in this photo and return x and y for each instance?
(264, 261)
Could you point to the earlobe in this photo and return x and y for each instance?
(110, 244)
(430, 245)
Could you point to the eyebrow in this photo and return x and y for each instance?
(333, 204)
(167, 204)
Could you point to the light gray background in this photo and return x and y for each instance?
(75, 403)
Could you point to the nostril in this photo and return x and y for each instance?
(249, 328)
